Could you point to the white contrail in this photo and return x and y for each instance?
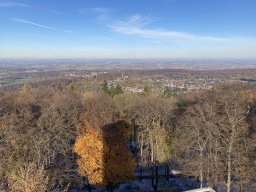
(32, 23)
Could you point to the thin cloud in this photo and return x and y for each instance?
(41, 26)
(102, 13)
(32, 23)
(55, 12)
(13, 4)
(137, 26)
(101, 10)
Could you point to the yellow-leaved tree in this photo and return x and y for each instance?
(102, 146)
(104, 157)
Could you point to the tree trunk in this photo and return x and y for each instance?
(134, 134)
(110, 188)
(141, 154)
(141, 173)
(229, 158)
(141, 146)
(152, 149)
(89, 188)
(201, 179)
(241, 187)
(229, 172)
(154, 178)
(167, 170)
(208, 175)
(201, 170)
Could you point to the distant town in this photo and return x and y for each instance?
(173, 76)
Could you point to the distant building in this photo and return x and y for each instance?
(208, 189)
(133, 90)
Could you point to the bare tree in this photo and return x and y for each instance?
(29, 178)
(195, 134)
(214, 136)
(151, 116)
(39, 127)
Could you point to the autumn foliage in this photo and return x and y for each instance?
(105, 159)
(90, 148)
(104, 156)
(46, 132)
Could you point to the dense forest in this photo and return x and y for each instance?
(61, 139)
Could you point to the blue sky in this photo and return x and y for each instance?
(127, 28)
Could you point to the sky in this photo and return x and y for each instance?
(127, 29)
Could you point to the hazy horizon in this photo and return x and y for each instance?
(127, 30)
(126, 58)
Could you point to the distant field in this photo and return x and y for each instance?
(15, 81)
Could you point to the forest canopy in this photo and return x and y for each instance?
(69, 139)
